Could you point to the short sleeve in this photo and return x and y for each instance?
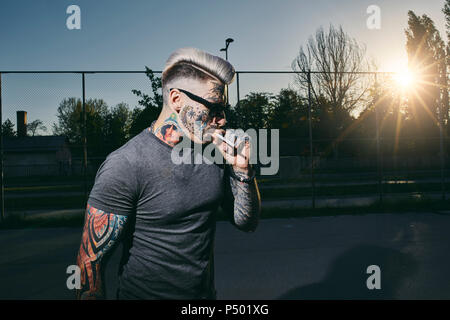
(115, 186)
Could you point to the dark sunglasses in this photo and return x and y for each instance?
(212, 106)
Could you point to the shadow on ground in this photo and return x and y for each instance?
(347, 276)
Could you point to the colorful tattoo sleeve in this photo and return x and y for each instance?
(243, 202)
(100, 234)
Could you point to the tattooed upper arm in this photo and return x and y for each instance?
(100, 234)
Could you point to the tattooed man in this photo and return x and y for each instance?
(164, 213)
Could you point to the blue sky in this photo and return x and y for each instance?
(128, 35)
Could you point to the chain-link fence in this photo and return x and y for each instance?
(368, 141)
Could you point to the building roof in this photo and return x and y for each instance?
(33, 144)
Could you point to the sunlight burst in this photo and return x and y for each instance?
(404, 78)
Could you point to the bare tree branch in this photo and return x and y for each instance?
(331, 53)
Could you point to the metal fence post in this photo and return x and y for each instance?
(2, 198)
(84, 139)
(379, 160)
(442, 150)
(313, 191)
(237, 85)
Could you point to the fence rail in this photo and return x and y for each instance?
(316, 162)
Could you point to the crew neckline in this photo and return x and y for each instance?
(153, 136)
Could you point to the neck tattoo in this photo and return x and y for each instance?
(169, 131)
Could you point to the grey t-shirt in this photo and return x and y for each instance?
(168, 248)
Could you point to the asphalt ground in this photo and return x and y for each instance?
(301, 258)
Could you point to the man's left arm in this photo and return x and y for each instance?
(243, 199)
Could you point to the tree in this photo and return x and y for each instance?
(427, 58)
(251, 112)
(117, 126)
(106, 128)
(446, 11)
(388, 107)
(34, 126)
(338, 59)
(8, 129)
(152, 105)
(289, 113)
(337, 87)
(70, 124)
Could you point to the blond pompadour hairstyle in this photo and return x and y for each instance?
(208, 63)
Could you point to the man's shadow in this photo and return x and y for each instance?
(347, 277)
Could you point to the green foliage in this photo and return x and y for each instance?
(446, 11)
(117, 126)
(151, 105)
(8, 129)
(289, 113)
(34, 126)
(252, 111)
(105, 129)
(427, 58)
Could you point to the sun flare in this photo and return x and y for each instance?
(404, 78)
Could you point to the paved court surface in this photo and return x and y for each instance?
(318, 257)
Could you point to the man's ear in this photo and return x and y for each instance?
(175, 100)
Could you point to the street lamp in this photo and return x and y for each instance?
(227, 43)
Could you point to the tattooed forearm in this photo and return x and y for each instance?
(101, 232)
(246, 203)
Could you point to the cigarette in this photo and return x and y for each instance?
(231, 144)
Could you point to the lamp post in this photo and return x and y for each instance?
(227, 43)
